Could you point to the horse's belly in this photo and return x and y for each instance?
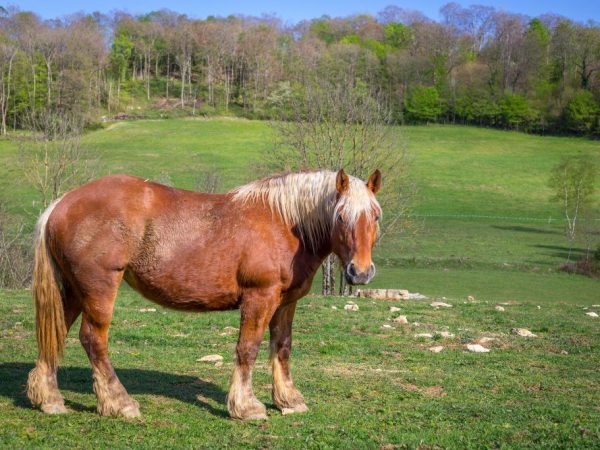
(182, 294)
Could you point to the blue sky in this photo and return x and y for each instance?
(293, 11)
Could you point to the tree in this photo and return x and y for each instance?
(53, 160)
(573, 181)
(423, 104)
(515, 111)
(581, 113)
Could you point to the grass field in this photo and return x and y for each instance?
(486, 230)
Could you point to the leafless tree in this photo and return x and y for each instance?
(52, 158)
(15, 252)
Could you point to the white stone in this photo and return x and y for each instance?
(211, 358)
(386, 325)
(441, 304)
(148, 310)
(416, 296)
(351, 307)
(333, 307)
(394, 309)
(499, 308)
(591, 314)
(486, 339)
(477, 348)
(436, 349)
(425, 335)
(401, 319)
(523, 332)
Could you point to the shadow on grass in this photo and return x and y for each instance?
(524, 229)
(185, 388)
(562, 252)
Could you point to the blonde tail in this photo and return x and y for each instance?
(48, 298)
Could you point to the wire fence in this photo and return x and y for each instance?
(548, 220)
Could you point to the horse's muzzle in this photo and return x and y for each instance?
(354, 276)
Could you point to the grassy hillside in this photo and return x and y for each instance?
(482, 201)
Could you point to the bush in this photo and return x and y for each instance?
(581, 113)
(516, 112)
(423, 104)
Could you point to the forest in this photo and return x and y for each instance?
(477, 65)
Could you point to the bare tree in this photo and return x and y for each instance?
(52, 159)
(573, 181)
(342, 124)
(15, 252)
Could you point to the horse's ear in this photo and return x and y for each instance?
(374, 183)
(342, 182)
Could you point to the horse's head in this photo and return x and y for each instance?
(355, 225)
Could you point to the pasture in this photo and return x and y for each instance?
(486, 230)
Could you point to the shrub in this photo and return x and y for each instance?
(423, 104)
(581, 113)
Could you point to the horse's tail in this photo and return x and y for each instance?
(48, 297)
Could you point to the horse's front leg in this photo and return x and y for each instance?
(256, 309)
(285, 395)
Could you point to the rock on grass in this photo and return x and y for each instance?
(211, 358)
(499, 308)
(401, 319)
(441, 305)
(436, 349)
(591, 314)
(523, 332)
(477, 348)
(351, 307)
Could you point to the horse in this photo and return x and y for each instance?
(256, 248)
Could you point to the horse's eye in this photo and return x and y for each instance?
(340, 219)
(376, 218)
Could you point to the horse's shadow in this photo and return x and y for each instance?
(185, 388)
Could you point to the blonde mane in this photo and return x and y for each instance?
(308, 200)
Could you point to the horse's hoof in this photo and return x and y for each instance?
(301, 408)
(130, 412)
(54, 408)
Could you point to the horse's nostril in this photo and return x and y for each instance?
(352, 269)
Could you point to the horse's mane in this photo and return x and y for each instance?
(308, 200)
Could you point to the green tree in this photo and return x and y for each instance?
(423, 104)
(581, 113)
(397, 35)
(516, 112)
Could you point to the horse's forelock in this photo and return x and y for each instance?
(310, 201)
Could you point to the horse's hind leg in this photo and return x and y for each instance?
(113, 399)
(285, 395)
(42, 384)
(257, 309)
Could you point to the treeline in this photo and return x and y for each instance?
(477, 65)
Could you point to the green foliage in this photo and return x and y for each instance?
(423, 104)
(397, 35)
(476, 107)
(581, 113)
(539, 31)
(120, 53)
(323, 30)
(516, 112)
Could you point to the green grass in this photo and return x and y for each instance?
(365, 386)
(484, 231)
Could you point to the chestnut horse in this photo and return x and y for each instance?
(256, 248)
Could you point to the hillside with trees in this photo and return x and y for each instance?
(477, 65)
